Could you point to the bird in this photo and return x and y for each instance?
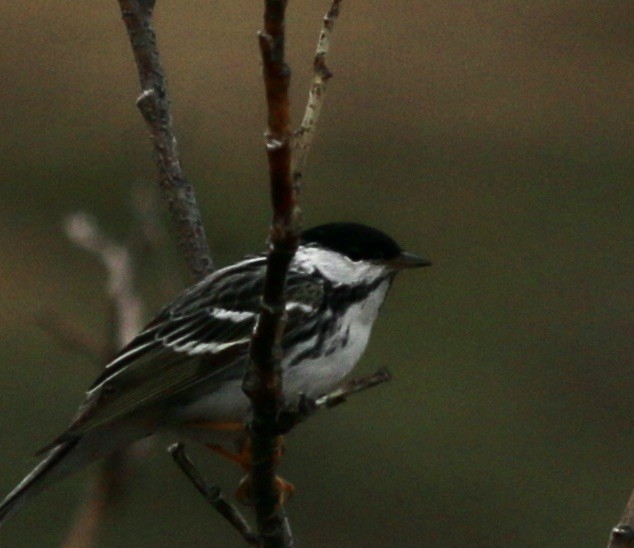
(182, 374)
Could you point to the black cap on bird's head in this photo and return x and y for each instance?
(361, 243)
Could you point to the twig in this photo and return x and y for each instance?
(262, 382)
(289, 417)
(155, 108)
(321, 74)
(213, 495)
(82, 230)
(622, 536)
(292, 415)
(351, 387)
(125, 322)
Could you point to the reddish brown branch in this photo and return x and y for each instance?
(155, 108)
(263, 382)
(278, 136)
(289, 417)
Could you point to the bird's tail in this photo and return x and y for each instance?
(67, 456)
(51, 468)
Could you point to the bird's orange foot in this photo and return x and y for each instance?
(244, 494)
(244, 459)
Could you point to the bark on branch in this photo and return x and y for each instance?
(321, 75)
(289, 417)
(155, 108)
(213, 495)
(263, 381)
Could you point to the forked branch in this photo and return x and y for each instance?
(289, 417)
(263, 380)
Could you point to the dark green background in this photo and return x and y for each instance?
(494, 137)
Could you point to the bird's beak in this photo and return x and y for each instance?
(407, 260)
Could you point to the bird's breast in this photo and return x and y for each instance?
(338, 352)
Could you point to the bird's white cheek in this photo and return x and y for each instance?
(337, 268)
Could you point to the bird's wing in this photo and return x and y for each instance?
(201, 337)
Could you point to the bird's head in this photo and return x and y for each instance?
(348, 252)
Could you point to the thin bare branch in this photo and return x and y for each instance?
(124, 323)
(351, 387)
(82, 230)
(292, 415)
(288, 418)
(321, 75)
(155, 108)
(213, 495)
(263, 381)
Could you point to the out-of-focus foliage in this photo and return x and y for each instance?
(494, 137)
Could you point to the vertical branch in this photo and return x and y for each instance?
(155, 108)
(321, 75)
(278, 135)
(263, 382)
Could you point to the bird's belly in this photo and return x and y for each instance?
(224, 403)
(313, 376)
(213, 418)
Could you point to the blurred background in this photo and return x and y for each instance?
(493, 137)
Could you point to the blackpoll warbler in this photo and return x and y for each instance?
(182, 374)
